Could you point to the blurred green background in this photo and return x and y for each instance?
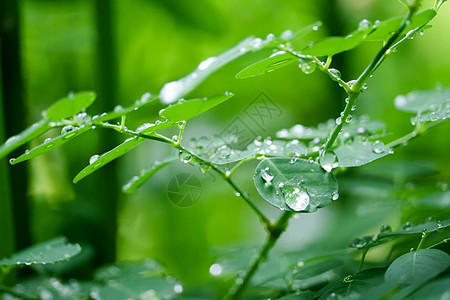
(124, 48)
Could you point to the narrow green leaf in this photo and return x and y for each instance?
(69, 106)
(25, 136)
(121, 111)
(137, 181)
(96, 162)
(175, 90)
(424, 101)
(386, 28)
(334, 45)
(44, 253)
(50, 144)
(148, 128)
(295, 184)
(352, 287)
(272, 63)
(360, 153)
(417, 265)
(409, 228)
(186, 110)
(318, 265)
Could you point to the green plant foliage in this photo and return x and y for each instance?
(386, 28)
(334, 45)
(70, 106)
(360, 153)
(417, 266)
(276, 61)
(296, 172)
(27, 135)
(138, 181)
(295, 184)
(186, 110)
(49, 252)
(98, 161)
(423, 101)
(49, 144)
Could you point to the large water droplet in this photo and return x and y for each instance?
(378, 147)
(407, 226)
(184, 157)
(307, 67)
(328, 161)
(364, 24)
(335, 73)
(93, 159)
(296, 198)
(178, 288)
(215, 269)
(266, 175)
(67, 129)
(385, 229)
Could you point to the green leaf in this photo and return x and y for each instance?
(69, 106)
(352, 286)
(96, 162)
(424, 101)
(318, 265)
(120, 111)
(25, 136)
(361, 126)
(50, 144)
(437, 289)
(441, 112)
(360, 153)
(135, 280)
(272, 63)
(386, 28)
(295, 184)
(44, 253)
(409, 228)
(186, 110)
(175, 90)
(417, 265)
(148, 128)
(137, 181)
(334, 45)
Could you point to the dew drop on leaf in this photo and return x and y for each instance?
(67, 129)
(385, 229)
(296, 198)
(335, 73)
(266, 175)
(407, 226)
(215, 269)
(93, 159)
(378, 147)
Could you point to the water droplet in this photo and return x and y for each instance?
(67, 129)
(407, 226)
(144, 126)
(378, 147)
(334, 196)
(171, 91)
(270, 37)
(215, 269)
(11, 140)
(277, 53)
(361, 242)
(294, 147)
(266, 175)
(335, 73)
(256, 43)
(365, 86)
(178, 288)
(296, 198)
(93, 159)
(307, 67)
(118, 108)
(354, 107)
(287, 35)
(348, 119)
(351, 83)
(206, 63)
(348, 279)
(328, 161)
(184, 157)
(364, 24)
(385, 229)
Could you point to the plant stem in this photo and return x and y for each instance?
(363, 257)
(420, 130)
(357, 87)
(227, 178)
(241, 283)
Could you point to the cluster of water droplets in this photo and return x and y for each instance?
(435, 113)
